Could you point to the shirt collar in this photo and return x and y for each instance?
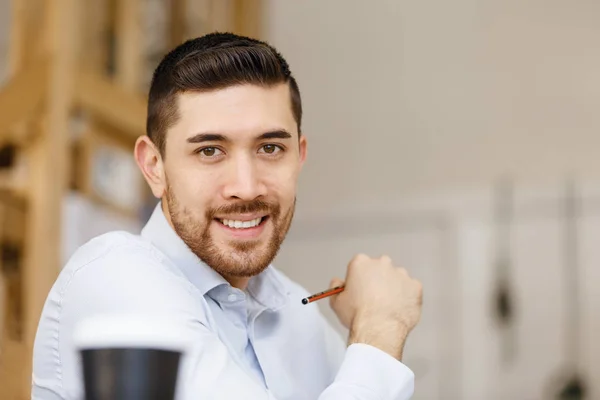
(267, 287)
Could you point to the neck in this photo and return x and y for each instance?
(237, 282)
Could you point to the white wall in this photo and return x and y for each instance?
(413, 110)
(450, 244)
(415, 95)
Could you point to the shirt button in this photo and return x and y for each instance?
(232, 297)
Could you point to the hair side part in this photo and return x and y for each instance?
(211, 62)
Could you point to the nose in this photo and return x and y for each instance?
(244, 181)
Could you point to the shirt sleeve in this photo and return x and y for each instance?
(368, 373)
(364, 372)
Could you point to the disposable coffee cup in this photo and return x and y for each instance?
(129, 358)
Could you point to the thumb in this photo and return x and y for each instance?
(334, 282)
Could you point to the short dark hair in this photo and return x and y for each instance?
(213, 61)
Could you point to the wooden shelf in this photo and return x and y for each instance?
(109, 102)
(22, 95)
(11, 187)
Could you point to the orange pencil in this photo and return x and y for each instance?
(323, 294)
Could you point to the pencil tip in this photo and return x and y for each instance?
(304, 301)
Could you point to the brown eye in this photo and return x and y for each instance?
(270, 148)
(209, 151)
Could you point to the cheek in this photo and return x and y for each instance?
(192, 190)
(283, 186)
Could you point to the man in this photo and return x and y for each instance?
(223, 153)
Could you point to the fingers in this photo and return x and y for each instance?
(360, 257)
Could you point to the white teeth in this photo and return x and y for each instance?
(241, 224)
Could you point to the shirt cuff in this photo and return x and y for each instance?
(371, 368)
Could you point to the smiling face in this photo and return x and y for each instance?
(229, 174)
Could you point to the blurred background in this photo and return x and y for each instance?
(461, 138)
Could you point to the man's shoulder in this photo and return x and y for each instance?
(119, 272)
(115, 258)
(110, 243)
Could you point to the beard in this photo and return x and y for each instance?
(237, 258)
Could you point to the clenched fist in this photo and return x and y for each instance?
(380, 304)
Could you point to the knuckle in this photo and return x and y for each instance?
(362, 256)
(358, 259)
(385, 259)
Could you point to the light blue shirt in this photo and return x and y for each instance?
(261, 343)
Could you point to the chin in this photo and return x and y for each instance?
(245, 264)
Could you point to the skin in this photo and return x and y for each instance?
(236, 154)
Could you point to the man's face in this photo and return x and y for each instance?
(230, 172)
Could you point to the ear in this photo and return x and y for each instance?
(302, 147)
(150, 162)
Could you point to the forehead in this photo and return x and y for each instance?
(235, 111)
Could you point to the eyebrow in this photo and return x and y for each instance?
(217, 137)
(207, 137)
(277, 134)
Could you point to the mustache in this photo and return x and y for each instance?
(253, 206)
